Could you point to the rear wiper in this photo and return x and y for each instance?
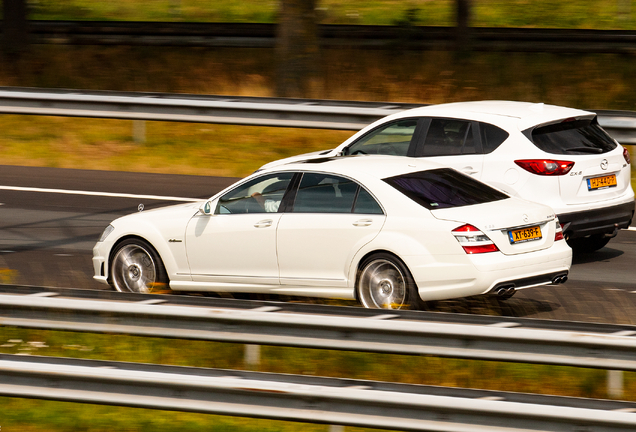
(585, 149)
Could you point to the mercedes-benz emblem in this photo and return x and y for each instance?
(604, 164)
(525, 218)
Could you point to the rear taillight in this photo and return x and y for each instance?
(546, 167)
(473, 241)
(558, 234)
(628, 159)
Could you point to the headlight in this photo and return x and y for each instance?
(109, 229)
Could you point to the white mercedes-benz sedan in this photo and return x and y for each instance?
(549, 154)
(388, 231)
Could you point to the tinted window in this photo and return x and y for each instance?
(449, 137)
(444, 188)
(325, 193)
(261, 195)
(392, 139)
(491, 137)
(365, 203)
(573, 137)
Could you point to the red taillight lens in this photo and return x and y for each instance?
(473, 241)
(628, 159)
(558, 234)
(546, 167)
(480, 249)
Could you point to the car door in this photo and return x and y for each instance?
(454, 143)
(331, 219)
(236, 245)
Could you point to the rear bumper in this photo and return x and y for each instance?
(598, 221)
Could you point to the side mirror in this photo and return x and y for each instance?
(206, 208)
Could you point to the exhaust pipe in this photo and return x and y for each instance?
(560, 279)
(505, 291)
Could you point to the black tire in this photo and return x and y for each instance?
(384, 282)
(135, 266)
(588, 244)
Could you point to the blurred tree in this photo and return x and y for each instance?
(297, 47)
(463, 14)
(15, 26)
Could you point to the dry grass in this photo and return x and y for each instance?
(594, 81)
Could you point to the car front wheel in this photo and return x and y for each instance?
(385, 283)
(136, 267)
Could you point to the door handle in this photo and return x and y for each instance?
(363, 222)
(264, 223)
(469, 170)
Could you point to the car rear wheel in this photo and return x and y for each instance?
(385, 283)
(136, 267)
(588, 244)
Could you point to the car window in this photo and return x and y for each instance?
(491, 137)
(326, 193)
(366, 204)
(447, 137)
(392, 139)
(260, 195)
(573, 137)
(444, 188)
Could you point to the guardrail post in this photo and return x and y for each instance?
(615, 384)
(139, 131)
(252, 356)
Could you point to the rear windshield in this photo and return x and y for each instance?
(444, 188)
(573, 137)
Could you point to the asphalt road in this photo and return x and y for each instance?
(49, 222)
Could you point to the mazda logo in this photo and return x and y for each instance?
(604, 164)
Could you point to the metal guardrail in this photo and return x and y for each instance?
(306, 398)
(374, 333)
(260, 35)
(251, 111)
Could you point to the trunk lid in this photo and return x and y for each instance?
(514, 225)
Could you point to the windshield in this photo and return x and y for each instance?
(572, 137)
(444, 188)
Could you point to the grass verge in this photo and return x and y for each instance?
(31, 415)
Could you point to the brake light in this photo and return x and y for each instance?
(628, 159)
(558, 234)
(473, 241)
(546, 167)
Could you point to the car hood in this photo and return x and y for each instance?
(163, 213)
(298, 158)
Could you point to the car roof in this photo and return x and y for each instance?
(506, 113)
(377, 166)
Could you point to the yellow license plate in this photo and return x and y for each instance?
(525, 234)
(601, 182)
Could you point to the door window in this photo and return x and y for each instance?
(446, 137)
(325, 193)
(260, 195)
(392, 139)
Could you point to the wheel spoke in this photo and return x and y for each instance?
(382, 285)
(134, 269)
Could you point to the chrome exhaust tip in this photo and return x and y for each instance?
(505, 291)
(560, 279)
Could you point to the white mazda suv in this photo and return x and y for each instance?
(553, 155)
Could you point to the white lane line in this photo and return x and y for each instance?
(102, 194)
(631, 229)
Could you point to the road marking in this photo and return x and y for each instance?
(102, 194)
(631, 229)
